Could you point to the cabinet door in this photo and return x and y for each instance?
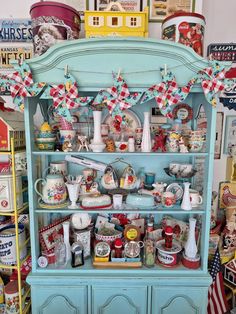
(117, 300)
(179, 300)
(59, 300)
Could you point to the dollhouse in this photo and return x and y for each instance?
(11, 125)
(114, 21)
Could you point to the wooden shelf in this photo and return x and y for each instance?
(138, 154)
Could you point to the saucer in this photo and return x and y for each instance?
(52, 206)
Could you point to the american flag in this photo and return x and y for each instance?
(217, 303)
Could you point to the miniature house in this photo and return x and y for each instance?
(11, 125)
(230, 271)
(114, 21)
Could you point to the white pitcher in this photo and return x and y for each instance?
(54, 189)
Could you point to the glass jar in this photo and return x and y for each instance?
(60, 253)
(149, 253)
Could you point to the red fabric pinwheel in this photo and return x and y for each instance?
(63, 96)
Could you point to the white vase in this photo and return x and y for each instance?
(66, 229)
(97, 145)
(97, 136)
(190, 247)
(186, 204)
(146, 145)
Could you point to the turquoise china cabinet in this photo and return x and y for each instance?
(89, 290)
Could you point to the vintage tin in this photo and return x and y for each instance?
(84, 236)
(6, 192)
(53, 22)
(12, 297)
(8, 244)
(168, 257)
(185, 28)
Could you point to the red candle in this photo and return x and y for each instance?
(168, 237)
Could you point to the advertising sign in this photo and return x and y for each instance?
(13, 53)
(15, 30)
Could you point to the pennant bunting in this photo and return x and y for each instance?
(167, 93)
(212, 81)
(66, 97)
(22, 85)
(117, 98)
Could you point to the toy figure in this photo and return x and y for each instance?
(183, 148)
(160, 139)
(83, 143)
(67, 146)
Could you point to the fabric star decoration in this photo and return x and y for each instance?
(66, 97)
(212, 81)
(167, 93)
(22, 85)
(117, 98)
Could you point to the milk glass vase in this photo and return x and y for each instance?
(146, 145)
(190, 247)
(73, 191)
(186, 203)
(66, 229)
(97, 144)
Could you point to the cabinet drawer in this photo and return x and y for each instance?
(179, 300)
(59, 300)
(119, 300)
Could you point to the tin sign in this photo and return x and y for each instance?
(14, 53)
(222, 52)
(15, 30)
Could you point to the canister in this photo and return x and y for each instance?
(8, 244)
(12, 297)
(185, 28)
(83, 236)
(6, 192)
(53, 22)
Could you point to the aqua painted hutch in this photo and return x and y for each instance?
(87, 290)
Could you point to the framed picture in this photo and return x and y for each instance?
(202, 124)
(219, 134)
(157, 117)
(129, 6)
(230, 134)
(160, 9)
(227, 194)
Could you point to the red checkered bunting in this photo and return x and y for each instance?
(214, 83)
(19, 89)
(61, 95)
(166, 91)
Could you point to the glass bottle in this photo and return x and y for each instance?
(149, 253)
(60, 253)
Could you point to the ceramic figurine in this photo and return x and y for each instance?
(182, 147)
(83, 143)
(67, 146)
(160, 139)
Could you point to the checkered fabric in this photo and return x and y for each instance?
(64, 97)
(167, 93)
(117, 98)
(20, 86)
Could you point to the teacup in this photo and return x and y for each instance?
(195, 198)
(89, 175)
(168, 199)
(185, 169)
(59, 166)
(67, 135)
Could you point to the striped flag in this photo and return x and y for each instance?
(217, 303)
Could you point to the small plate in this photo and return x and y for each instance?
(55, 206)
(183, 112)
(177, 189)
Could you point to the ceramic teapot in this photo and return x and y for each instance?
(53, 189)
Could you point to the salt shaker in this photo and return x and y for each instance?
(131, 146)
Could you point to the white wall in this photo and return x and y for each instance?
(220, 27)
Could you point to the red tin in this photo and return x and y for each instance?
(185, 28)
(53, 22)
